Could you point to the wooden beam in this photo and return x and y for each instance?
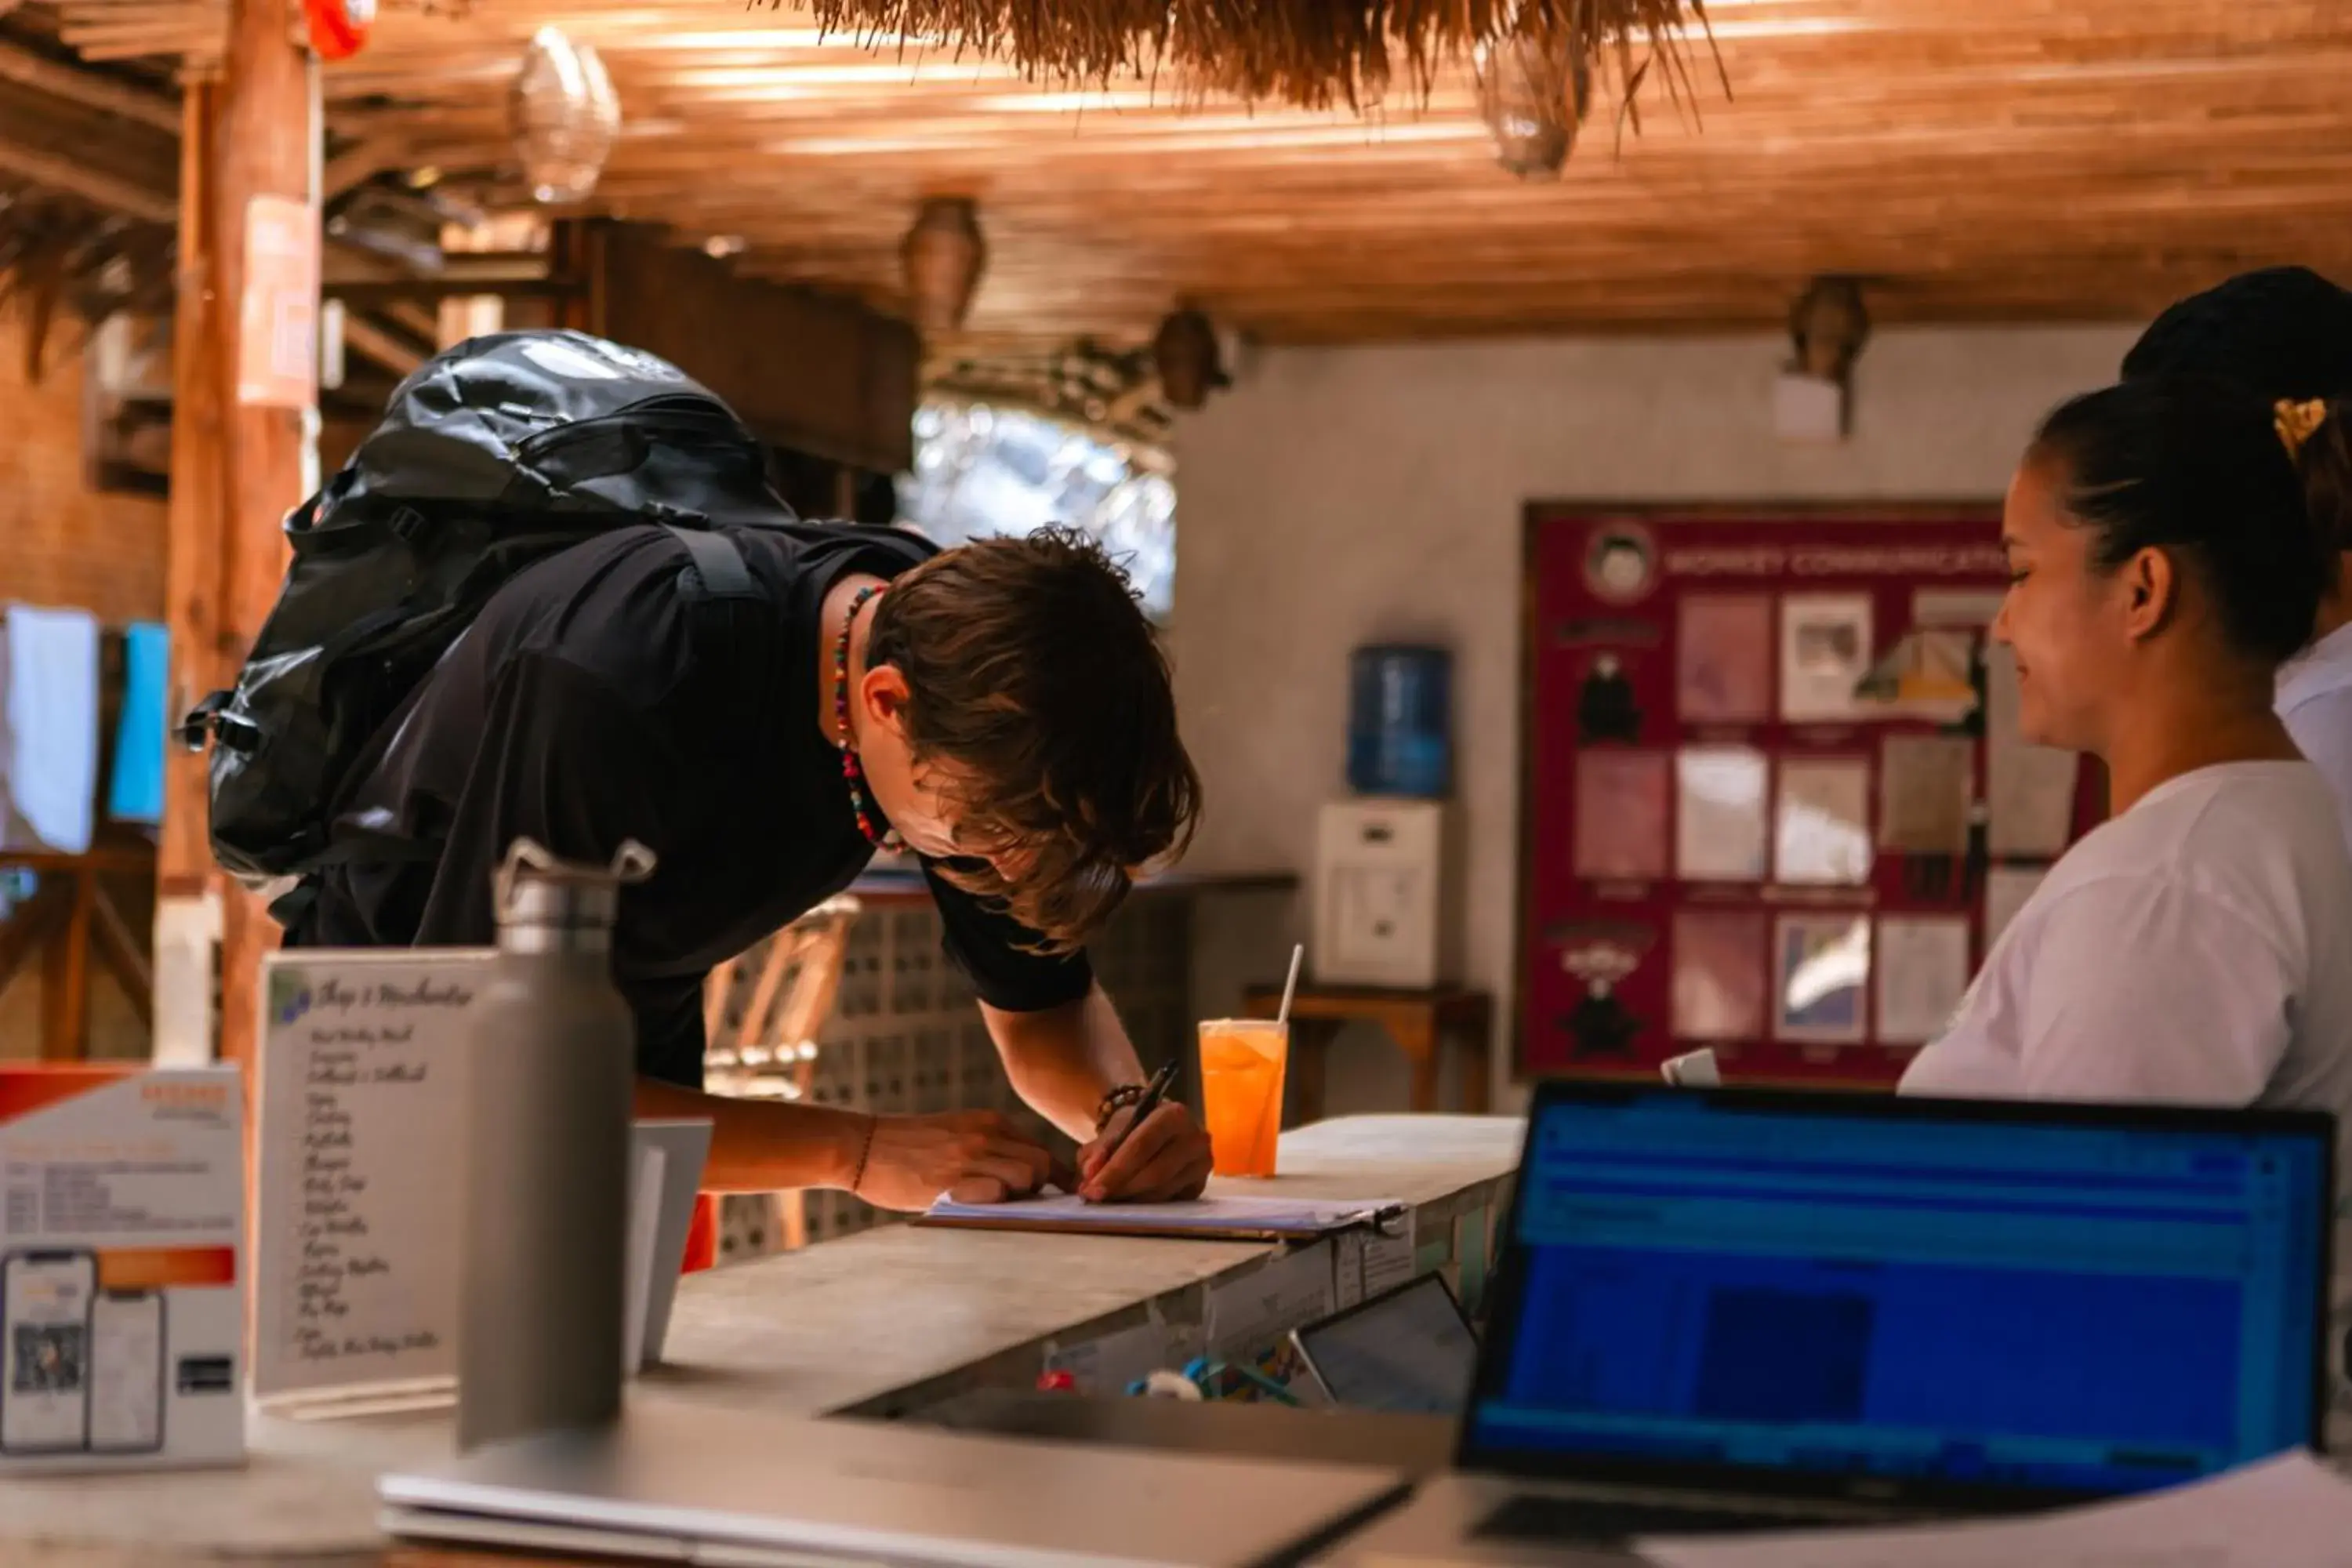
(65, 980)
(118, 952)
(99, 857)
(360, 162)
(464, 272)
(378, 296)
(93, 185)
(413, 319)
(89, 88)
(31, 924)
(374, 343)
(371, 282)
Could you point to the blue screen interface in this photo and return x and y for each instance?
(2082, 1308)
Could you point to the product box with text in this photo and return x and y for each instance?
(121, 1301)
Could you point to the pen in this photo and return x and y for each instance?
(1153, 1093)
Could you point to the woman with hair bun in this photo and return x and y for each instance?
(2196, 948)
(2285, 334)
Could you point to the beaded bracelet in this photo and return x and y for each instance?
(1126, 1094)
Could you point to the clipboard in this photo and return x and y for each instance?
(1203, 1219)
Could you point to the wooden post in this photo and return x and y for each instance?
(187, 903)
(263, 146)
(268, 147)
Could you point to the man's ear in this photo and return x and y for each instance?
(885, 694)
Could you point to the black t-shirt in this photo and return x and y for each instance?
(596, 698)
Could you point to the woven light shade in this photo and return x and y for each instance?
(564, 117)
(1190, 363)
(1310, 52)
(1828, 324)
(1534, 92)
(944, 254)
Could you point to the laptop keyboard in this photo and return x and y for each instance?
(1534, 1517)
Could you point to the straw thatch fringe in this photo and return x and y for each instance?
(60, 257)
(1310, 52)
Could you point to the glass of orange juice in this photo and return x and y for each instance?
(1242, 1062)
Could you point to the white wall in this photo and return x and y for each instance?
(1336, 496)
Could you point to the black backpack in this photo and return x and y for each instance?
(492, 456)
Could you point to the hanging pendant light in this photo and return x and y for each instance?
(1534, 89)
(564, 117)
(943, 255)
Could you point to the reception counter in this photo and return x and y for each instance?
(897, 1321)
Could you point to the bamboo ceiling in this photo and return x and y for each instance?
(1973, 160)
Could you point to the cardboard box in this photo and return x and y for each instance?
(122, 1292)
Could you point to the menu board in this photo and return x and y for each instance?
(361, 1195)
(361, 1130)
(1773, 778)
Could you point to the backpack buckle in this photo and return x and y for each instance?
(211, 721)
(238, 733)
(196, 728)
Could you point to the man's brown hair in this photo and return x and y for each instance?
(1034, 673)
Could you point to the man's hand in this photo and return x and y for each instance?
(1168, 1158)
(969, 1156)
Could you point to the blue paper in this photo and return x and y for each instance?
(136, 793)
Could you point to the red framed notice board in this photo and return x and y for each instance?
(1775, 803)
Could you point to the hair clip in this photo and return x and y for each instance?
(2297, 422)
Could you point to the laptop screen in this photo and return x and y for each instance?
(1902, 1294)
(1409, 1350)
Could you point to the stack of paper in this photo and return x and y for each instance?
(1207, 1219)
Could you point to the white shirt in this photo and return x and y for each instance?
(2314, 701)
(2196, 950)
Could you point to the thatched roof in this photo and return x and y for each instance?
(1311, 53)
(1920, 145)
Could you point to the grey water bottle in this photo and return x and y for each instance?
(551, 1063)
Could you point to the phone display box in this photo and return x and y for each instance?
(121, 1295)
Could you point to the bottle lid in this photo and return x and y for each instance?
(536, 891)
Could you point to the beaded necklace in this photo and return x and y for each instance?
(861, 794)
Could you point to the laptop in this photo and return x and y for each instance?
(1720, 1310)
(722, 1489)
(1409, 1350)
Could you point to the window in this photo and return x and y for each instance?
(984, 470)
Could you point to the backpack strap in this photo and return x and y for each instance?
(718, 564)
(289, 906)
